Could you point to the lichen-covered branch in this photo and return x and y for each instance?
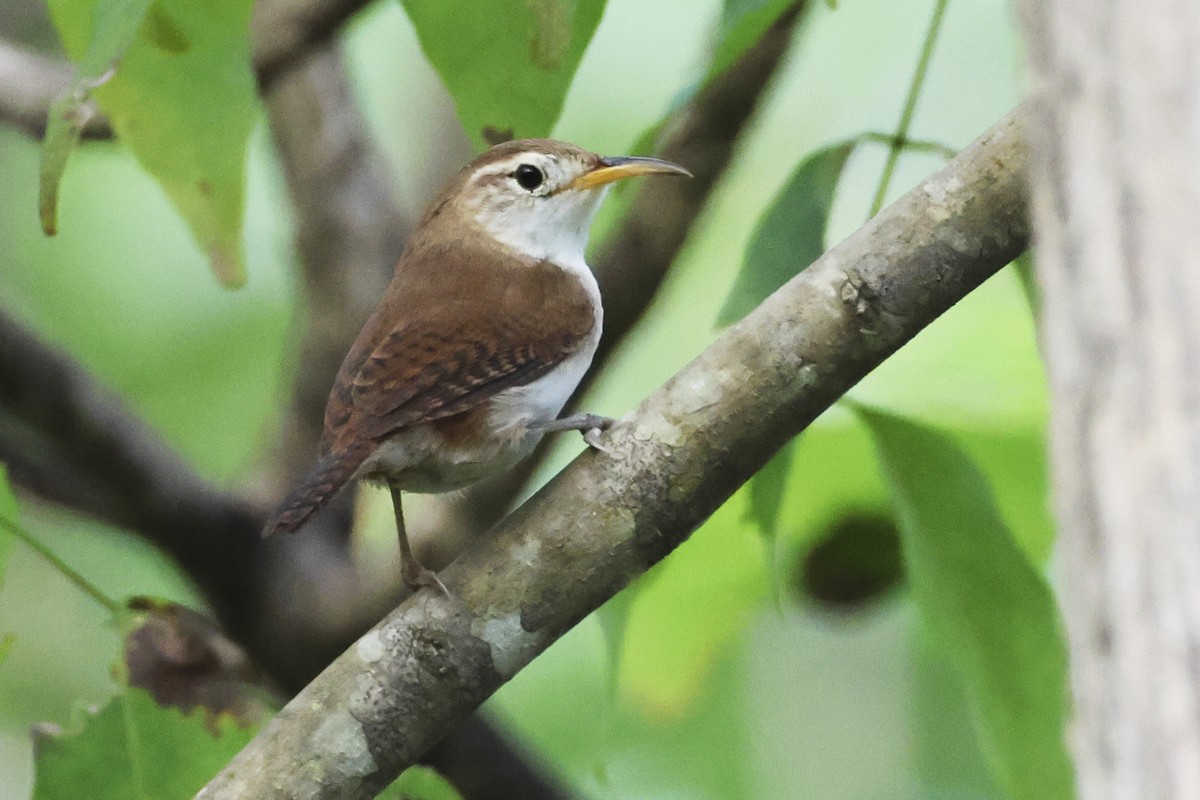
(609, 516)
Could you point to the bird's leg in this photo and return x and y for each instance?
(411, 570)
(590, 425)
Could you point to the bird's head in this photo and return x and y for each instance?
(538, 196)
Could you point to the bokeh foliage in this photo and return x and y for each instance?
(715, 675)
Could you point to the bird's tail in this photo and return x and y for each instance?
(320, 486)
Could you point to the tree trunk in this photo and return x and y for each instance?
(1116, 195)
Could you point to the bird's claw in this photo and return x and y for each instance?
(592, 437)
(418, 577)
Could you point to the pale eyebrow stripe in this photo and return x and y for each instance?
(509, 164)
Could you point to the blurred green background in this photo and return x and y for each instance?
(711, 677)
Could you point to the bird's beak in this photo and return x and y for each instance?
(614, 168)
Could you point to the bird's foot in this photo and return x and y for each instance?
(590, 425)
(415, 576)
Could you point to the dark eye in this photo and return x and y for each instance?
(529, 176)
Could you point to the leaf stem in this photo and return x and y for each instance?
(915, 145)
(82, 583)
(910, 106)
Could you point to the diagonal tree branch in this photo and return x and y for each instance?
(609, 516)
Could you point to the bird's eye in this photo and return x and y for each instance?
(529, 176)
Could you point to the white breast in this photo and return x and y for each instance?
(514, 410)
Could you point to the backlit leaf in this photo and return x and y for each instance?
(183, 99)
(791, 234)
(686, 611)
(133, 748)
(113, 30)
(986, 606)
(507, 63)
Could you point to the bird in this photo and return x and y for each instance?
(486, 328)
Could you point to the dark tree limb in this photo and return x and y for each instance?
(74, 442)
(609, 516)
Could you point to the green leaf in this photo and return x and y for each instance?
(8, 511)
(669, 649)
(420, 783)
(133, 748)
(507, 63)
(766, 491)
(115, 25)
(986, 606)
(742, 23)
(183, 99)
(791, 234)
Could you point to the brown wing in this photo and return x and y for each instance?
(423, 357)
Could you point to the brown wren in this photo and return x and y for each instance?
(489, 323)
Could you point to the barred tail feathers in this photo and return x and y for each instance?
(321, 485)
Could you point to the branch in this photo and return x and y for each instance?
(632, 264)
(608, 517)
(285, 32)
(290, 602)
(72, 440)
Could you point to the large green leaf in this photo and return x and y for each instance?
(507, 63)
(742, 23)
(791, 233)
(133, 748)
(986, 606)
(183, 99)
(8, 510)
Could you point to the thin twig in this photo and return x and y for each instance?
(910, 106)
